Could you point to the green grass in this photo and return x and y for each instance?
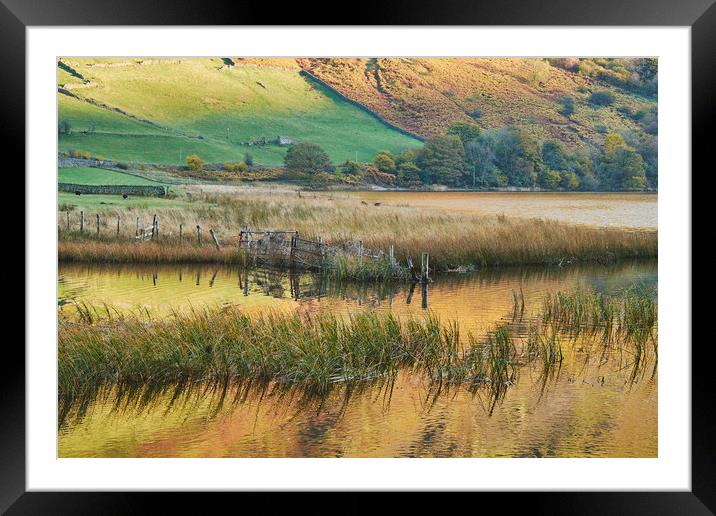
(102, 203)
(99, 176)
(194, 98)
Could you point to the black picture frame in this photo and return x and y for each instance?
(700, 15)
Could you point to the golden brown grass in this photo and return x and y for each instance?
(427, 95)
(451, 239)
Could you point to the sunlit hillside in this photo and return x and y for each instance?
(426, 96)
(160, 111)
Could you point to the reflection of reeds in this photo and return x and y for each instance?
(138, 356)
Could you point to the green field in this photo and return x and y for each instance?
(199, 107)
(102, 202)
(99, 176)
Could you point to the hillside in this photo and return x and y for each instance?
(426, 96)
(160, 111)
(558, 123)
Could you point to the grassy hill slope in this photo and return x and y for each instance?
(426, 96)
(99, 176)
(162, 110)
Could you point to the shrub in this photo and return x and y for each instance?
(351, 167)
(466, 132)
(601, 98)
(194, 162)
(385, 161)
(249, 159)
(566, 106)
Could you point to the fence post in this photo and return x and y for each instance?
(213, 236)
(360, 251)
(154, 225)
(68, 220)
(322, 250)
(424, 267)
(293, 247)
(392, 256)
(136, 231)
(198, 234)
(98, 224)
(181, 233)
(117, 225)
(82, 221)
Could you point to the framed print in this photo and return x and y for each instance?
(415, 254)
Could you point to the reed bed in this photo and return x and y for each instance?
(451, 239)
(319, 352)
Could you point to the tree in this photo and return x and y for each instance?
(553, 155)
(515, 155)
(612, 141)
(442, 160)
(465, 131)
(385, 161)
(194, 162)
(623, 168)
(481, 157)
(551, 179)
(569, 180)
(306, 157)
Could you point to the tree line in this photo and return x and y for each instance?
(469, 157)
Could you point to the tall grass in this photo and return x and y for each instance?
(316, 353)
(451, 239)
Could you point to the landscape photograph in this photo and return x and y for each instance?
(357, 257)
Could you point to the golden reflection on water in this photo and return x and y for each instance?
(477, 301)
(579, 416)
(589, 411)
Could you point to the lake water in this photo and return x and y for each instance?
(629, 210)
(588, 410)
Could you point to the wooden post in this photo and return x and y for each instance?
(68, 221)
(136, 232)
(198, 234)
(98, 224)
(293, 247)
(82, 221)
(392, 256)
(181, 233)
(213, 236)
(154, 226)
(360, 251)
(424, 267)
(322, 250)
(117, 225)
